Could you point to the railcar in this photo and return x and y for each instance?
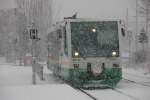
(86, 52)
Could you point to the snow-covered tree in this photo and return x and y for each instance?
(143, 40)
(143, 37)
(39, 13)
(7, 27)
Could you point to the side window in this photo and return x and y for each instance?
(59, 32)
(65, 41)
(123, 32)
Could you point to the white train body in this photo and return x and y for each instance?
(89, 45)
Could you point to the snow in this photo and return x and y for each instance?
(108, 94)
(137, 75)
(135, 90)
(126, 90)
(42, 92)
(19, 76)
(141, 72)
(16, 84)
(15, 75)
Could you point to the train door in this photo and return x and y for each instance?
(89, 68)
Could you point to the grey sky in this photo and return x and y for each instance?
(85, 8)
(93, 8)
(7, 4)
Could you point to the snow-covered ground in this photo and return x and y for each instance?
(42, 92)
(16, 84)
(138, 75)
(133, 90)
(127, 90)
(15, 75)
(108, 94)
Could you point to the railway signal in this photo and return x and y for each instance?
(34, 37)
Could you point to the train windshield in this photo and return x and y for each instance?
(95, 39)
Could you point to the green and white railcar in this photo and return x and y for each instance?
(86, 52)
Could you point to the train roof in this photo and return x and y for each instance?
(59, 24)
(89, 19)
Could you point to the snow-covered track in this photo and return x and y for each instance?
(139, 83)
(113, 89)
(123, 93)
(115, 92)
(81, 90)
(131, 74)
(94, 98)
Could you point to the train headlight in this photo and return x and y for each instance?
(114, 53)
(93, 30)
(76, 54)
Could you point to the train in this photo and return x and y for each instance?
(86, 52)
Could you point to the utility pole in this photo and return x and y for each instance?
(34, 37)
(147, 24)
(127, 23)
(33, 62)
(127, 19)
(136, 36)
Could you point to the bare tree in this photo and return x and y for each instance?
(143, 39)
(142, 15)
(39, 13)
(22, 34)
(7, 32)
(145, 11)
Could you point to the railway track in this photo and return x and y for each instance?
(134, 82)
(118, 91)
(112, 89)
(91, 96)
(84, 92)
(139, 83)
(137, 75)
(130, 96)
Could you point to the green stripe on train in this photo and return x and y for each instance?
(80, 77)
(109, 76)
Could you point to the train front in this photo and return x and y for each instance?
(95, 54)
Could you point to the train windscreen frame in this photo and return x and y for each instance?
(95, 38)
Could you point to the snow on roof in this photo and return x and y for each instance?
(90, 19)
